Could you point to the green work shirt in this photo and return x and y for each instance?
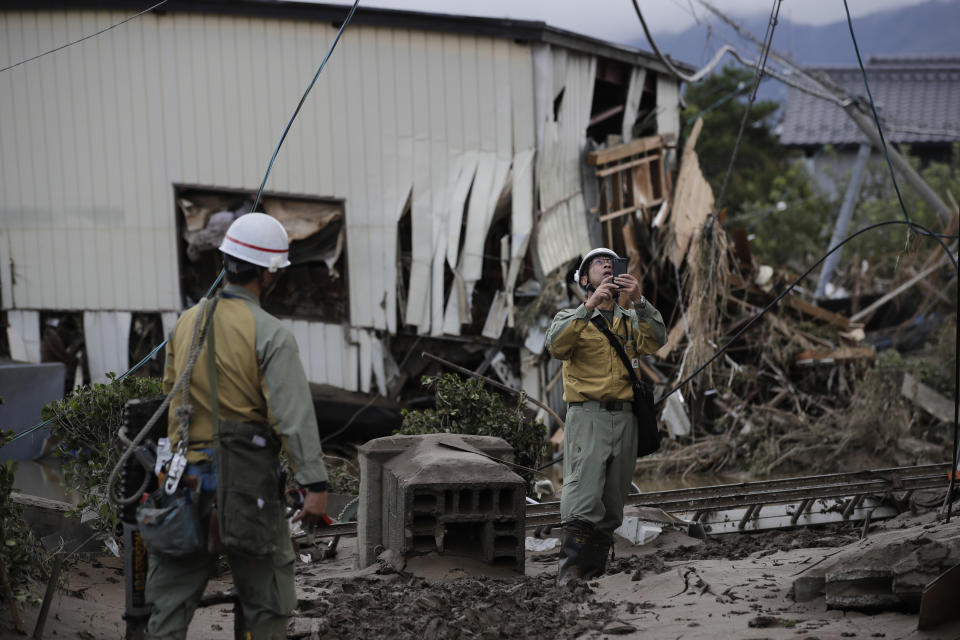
(259, 378)
(592, 370)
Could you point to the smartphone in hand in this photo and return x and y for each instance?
(619, 268)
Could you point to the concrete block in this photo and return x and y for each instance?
(417, 496)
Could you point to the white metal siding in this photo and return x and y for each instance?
(94, 137)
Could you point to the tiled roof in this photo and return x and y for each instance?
(918, 99)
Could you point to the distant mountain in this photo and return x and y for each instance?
(927, 29)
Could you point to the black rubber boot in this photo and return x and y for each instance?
(575, 546)
(599, 543)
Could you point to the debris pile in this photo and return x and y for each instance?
(812, 385)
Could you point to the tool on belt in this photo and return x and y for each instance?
(169, 519)
(648, 434)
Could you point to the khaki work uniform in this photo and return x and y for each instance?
(600, 434)
(260, 379)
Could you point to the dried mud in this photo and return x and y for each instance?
(409, 607)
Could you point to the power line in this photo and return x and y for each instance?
(761, 64)
(873, 108)
(92, 35)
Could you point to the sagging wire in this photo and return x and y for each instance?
(758, 74)
(913, 226)
(87, 37)
(283, 137)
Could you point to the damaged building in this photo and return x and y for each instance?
(437, 175)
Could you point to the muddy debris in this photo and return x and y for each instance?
(411, 607)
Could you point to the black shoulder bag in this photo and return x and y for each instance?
(648, 435)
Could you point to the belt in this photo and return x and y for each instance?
(607, 405)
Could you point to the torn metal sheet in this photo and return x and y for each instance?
(496, 317)
(668, 111)
(638, 76)
(107, 336)
(562, 233)
(674, 415)
(521, 222)
(23, 335)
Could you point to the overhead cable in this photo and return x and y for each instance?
(873, 109)
(87, 37)
(758, 74)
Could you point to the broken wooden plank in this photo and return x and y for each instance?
(616, 168)
(632, 148)
(831, 356)
(609, 113)
(812, 310)
(693, 198)
(927, 398)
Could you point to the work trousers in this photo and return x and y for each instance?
(265, 586)
(599, 457)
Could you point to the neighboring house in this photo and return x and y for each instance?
(412, 182)
(917, 98)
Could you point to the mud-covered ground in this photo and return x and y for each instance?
(736, 586)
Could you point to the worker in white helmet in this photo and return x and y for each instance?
(257, 401)
(600, 433)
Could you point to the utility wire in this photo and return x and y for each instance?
(758, 74)
(87, 37)
(303, 99)
(873, 109)
(283, 137)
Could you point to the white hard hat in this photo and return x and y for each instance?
(585, 263)
(258, 239)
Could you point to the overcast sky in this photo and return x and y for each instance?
(616, 21)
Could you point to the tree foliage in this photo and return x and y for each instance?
(20, 552)
(467, 407)
(721, 100)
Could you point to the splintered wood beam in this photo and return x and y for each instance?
(820, 313)
(832, 356)
(604, 115)
(617, 168)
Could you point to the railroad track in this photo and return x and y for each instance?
(854, 486)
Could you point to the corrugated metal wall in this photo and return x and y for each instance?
(94, 137)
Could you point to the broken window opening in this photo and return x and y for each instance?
(146, 331)
(314, 286)
(62, 340)
(612, 79)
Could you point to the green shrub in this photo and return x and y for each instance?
(86, 423)
(20, 552)
(467, 407)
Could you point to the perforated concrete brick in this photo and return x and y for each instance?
(418, 496)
